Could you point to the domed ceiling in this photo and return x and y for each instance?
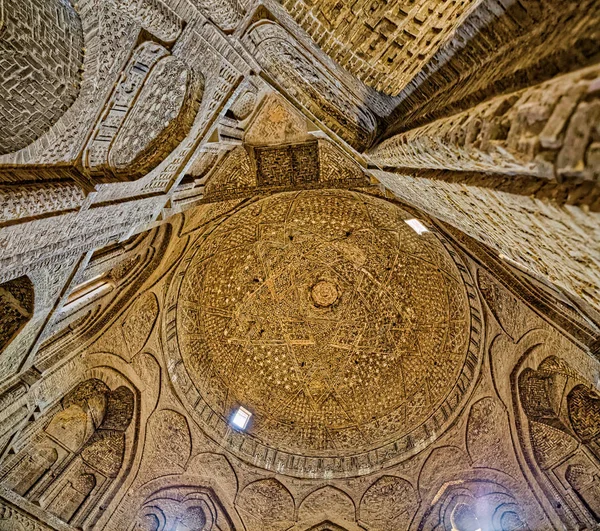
(346, 334)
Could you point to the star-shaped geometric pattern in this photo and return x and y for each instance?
(326, 316)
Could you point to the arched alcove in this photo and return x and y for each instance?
(563, 424)
(16, 308)
(70, 463)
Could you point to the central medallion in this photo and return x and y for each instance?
(340, 329)
(324, 294)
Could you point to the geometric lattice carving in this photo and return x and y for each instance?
(41, 43)
(244, 105)
(160, 119)
(150, 112)
(234, 174)
(13, 519)
(280, 166)
(305, 307)
(293, 287)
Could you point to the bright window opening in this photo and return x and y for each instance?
(416, 225)
(87, 292)
(513, 262)
(240, 418)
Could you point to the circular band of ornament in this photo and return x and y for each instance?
(351, 339)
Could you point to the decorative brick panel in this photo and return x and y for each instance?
(41, 53)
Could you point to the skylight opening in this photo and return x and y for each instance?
(417, 226)
(241, 418)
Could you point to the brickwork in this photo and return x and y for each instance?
(41, 54)
(567, 313)
(109, 37)
(27, 201)
(550, 131)
(164, 112)
(248, 170)
(16, 308)
(501, 47)
(155, 16)
(45, 467)
(559, 243)
(563, 416)
(226, 14)
(312, 86)
(385, 44)
(203, 230)
(293, 164)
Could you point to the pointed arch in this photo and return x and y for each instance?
(76, 456)
(16, 308)
(266, 505)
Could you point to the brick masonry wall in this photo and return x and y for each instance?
(383, 44)
(41, 53)
(550, 130)
(557, 242)
(502, 46)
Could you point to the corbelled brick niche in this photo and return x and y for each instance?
(351, 339)
(41, 55)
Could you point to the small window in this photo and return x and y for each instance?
(416, 225)
(240, 418)
(87, 292)
(514, 262)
